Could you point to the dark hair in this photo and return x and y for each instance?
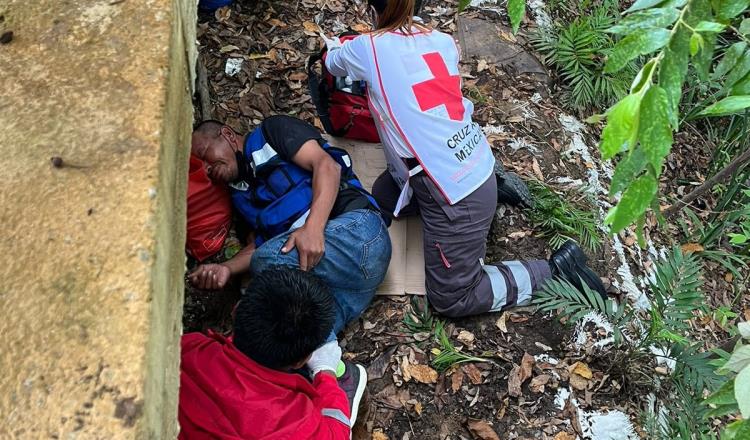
(282, 317)
(396, 15)
(209, 127)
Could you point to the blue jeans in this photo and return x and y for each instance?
(357, 253)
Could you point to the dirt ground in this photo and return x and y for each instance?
(274, 40)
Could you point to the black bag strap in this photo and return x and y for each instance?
(319, 92)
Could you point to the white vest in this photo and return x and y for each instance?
(417, 79)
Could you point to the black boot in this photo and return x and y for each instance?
(569, 263)
(510, 188)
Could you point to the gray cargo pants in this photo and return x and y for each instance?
(455, 240)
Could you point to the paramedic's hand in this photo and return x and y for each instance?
(331, 43)
(210, 276)
(325, 358)
(310, 244)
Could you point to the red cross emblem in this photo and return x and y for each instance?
(443, 89)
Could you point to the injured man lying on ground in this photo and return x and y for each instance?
(309, 214)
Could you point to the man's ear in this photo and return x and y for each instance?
(229, 135)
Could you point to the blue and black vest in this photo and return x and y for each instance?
(279, 193)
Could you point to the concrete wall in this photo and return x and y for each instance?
(91, 273)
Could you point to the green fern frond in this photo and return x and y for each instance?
(572, 304)
(676, 290)
(559, 220)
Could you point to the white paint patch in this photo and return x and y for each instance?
(494, 129)
(596, 425)
(581, 335)
(613, 425)
(233, 66)
(541, 17)
(562, 397)
(662, 358)
(519, 143)
(578, 147)
(567, 181)
(544, 357)
(639, 299)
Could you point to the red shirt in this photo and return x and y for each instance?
(226, 395)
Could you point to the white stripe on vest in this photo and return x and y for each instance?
(418, 79)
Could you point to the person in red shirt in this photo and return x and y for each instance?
(246, 386)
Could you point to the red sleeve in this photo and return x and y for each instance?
(334, 409)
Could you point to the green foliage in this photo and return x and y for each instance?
(516, 11)
(559, 219)
(419, 318)
(446, 354)
(676, 34)
(676, 295)
(576, 49)
(676, 292)
(734, 395)
(572, 305)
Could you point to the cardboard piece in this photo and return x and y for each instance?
(406, 271)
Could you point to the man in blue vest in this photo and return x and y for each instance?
(306, 209)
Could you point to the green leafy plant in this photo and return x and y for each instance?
(446, 354)
(676, 34)
(675, 298)
(576, 50)
(559, 219)
(418, 318)
(734, 396)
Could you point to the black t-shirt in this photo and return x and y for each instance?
(286, 135)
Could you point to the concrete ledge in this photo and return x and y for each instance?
(93, 255)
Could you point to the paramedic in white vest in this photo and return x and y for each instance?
(440, 164)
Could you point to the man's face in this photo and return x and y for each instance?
(217, 154)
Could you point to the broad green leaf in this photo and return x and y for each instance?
(738, 430)
(729, 60)
(643, 4)
(655, 132)
(742, 392)
(727, 106)
(621, 130)
(744, 329)
(723, 396)
(635, 200)
(739, 360)
(728, 9)
(672, 70)
(629, 167)
(638, 43)
(705, 56)
(644, 74)
(745, 27)
(696, 43)
(674, 3)
(709, 26)
(516, 11)
(742, 87)
(737, 238)
(739, 70)
(649, 18)
(463, 4)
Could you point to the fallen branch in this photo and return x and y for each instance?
(734, 166)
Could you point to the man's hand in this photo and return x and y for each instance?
(210, 276)
(310, 244)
